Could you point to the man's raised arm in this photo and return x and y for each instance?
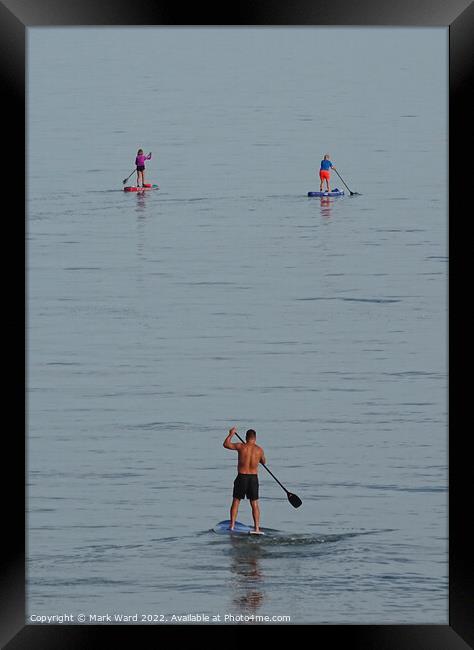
(227, 442)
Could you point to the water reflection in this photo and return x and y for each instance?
(246, 575)
(326, 205)
(141, 225)
(141, 201)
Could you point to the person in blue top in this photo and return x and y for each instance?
(324, 173)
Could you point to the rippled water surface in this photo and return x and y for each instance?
(157, 321)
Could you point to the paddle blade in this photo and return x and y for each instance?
(294, 500)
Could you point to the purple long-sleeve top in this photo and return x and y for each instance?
(140, 160)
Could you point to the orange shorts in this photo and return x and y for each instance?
(324, 174)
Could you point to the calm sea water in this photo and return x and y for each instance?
(156, 322)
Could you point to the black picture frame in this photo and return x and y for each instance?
(16, 16)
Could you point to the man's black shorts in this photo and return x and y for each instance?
(246, 485)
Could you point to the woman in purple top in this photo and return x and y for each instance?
(140, 163)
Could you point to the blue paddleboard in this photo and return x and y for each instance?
(334, 192)
(222, 528)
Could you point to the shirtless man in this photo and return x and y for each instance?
(246, 483)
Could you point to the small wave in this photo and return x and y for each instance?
(274, 537)
(373, 300)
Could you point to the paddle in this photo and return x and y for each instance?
(292, 498)
(352, 193)
(124, 181)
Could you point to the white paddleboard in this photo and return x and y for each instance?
(223, 528)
